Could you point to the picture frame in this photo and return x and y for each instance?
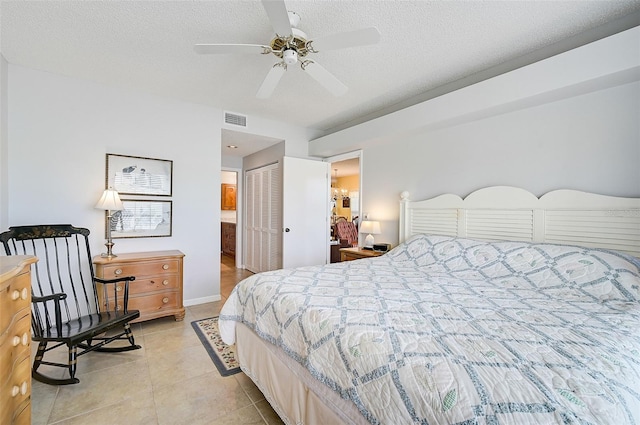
(142, 219)
(137, 175)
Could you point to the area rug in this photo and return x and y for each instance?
(223, 355)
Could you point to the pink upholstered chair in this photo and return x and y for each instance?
(347, 233)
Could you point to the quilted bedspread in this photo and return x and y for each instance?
(445, 330)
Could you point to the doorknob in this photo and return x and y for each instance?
(287, 230)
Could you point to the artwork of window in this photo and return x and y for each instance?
(134, 175)
(142, 219)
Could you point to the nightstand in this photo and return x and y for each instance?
(157, 290)
(349, 254)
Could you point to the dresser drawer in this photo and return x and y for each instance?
(23, 414)
(148, 284)
(14, 343)
(142, 268)
(154, 302)
(13, 298)
(17, 389)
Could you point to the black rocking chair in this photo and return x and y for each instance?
(65, 307)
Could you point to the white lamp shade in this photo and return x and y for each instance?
(370, 227)
(110, 201)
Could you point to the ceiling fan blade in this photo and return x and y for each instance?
(361, 37)
(225, 49)
(279, 17)
(324, 77)
(271, 80)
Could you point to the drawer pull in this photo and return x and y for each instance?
(118, 272)
(22, 389)
(17, 340)
(24, 294)
(165, 300)
(165, 282)
(118, 307)
(165, 267)
(118, 288)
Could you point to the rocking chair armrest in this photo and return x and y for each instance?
(56, 297)
(116, 280)
(125, 295)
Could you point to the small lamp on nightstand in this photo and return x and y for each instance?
(110, 201)
(371, 228)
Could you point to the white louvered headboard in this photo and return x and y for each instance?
(509, 213)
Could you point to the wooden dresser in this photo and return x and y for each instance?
(15, 339)
(157, 290)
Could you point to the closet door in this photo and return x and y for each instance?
(250, 230)
(262, 224)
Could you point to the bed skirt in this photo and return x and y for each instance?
(294, 394)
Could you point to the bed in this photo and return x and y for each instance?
(498, 308)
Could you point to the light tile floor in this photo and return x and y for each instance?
(170, 381)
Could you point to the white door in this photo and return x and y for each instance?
(262, 219)
(305, 218)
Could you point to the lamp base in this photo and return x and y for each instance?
(109, 253)
(368, 241)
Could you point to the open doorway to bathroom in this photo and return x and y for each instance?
(229, 273)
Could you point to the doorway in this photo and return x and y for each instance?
(229, 204)
(345, 201)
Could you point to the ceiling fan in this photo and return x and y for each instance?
(292, 46)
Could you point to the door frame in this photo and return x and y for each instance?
(341, 157)
(239, 215)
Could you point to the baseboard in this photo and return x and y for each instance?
(203, 300)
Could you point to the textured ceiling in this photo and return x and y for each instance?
(148, 46)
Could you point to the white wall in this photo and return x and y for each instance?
(571, 121)
(59, 132)
(4, 143)
(589, 143)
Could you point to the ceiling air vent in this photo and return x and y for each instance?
(235, 119)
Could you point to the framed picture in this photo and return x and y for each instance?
(141, 219)
(135, 175)
(346, 202)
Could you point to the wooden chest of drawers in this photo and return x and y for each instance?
(157, 290)
(15, 339)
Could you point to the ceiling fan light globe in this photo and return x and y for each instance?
(290, 57)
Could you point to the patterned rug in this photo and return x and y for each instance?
(223, 355)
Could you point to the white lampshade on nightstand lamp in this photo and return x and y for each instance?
(110, 201)
(371, 228)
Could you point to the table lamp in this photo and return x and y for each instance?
(371, 228)
(110, 201)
